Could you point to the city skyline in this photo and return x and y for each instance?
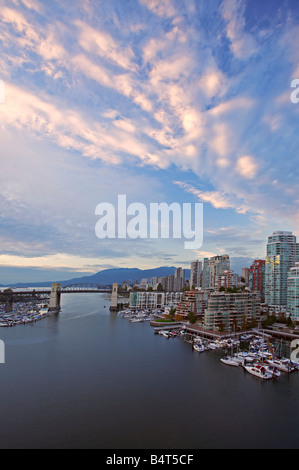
(162, 101)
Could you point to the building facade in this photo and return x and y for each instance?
(195, 274)
(227, 279)
(229, 311)
(217, 265)
(293, 293)
(154, 300)
(282, 254)
(193, 301)
(256, 277)
(179, 279)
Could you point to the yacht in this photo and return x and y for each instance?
(245, 355)
(258, 371)
(199, 347)
(274, 371)
(229, 361)
(281, 364)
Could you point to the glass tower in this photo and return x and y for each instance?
(282, 254)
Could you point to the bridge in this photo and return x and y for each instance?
(54, 294)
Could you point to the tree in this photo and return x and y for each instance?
(191, 317)
(171, 313)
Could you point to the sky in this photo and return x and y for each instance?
(182, 101)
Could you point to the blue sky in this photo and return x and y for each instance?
(163, 101)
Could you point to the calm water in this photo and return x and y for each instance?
(90, 379)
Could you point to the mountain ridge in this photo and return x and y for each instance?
(107, 277)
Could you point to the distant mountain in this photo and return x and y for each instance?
(108, 276)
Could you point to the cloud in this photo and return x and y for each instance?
(247, 166)
(242, 44)
(163, 8)
(104, 45)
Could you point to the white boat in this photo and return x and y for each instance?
(244, 355)
(273, 370)
(198, 347)
(281, 364)
(229, 361)
(258, 370)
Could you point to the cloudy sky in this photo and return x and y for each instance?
(160, 100)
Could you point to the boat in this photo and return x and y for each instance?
(274, 371)
(198, 347)
(281, 364)
(258, 371)
(229, 361)
(244, 355)
(136, 320)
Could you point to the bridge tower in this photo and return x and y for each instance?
(113, 304)
(55, 297)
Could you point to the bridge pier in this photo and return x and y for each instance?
(113, 304)
(55, 297)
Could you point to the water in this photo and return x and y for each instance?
(87, 378)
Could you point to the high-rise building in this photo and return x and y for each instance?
(179, 279)
(256, 277)
(206, 274)
(282, 254)
(217, 265)
(245, 275)
(195, 274)
(293, 293)
(227, 279)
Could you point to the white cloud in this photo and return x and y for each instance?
(242, 44)
(247, 166)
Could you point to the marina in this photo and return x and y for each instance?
(253, 351)
(91, 376)
(23, 313)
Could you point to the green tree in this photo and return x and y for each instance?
(191, 317)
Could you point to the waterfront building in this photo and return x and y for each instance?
(230, 311)
(195, 274)
(293, 293)
(154, 300)
(282, 254)
(256, 277)
(193, 301)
